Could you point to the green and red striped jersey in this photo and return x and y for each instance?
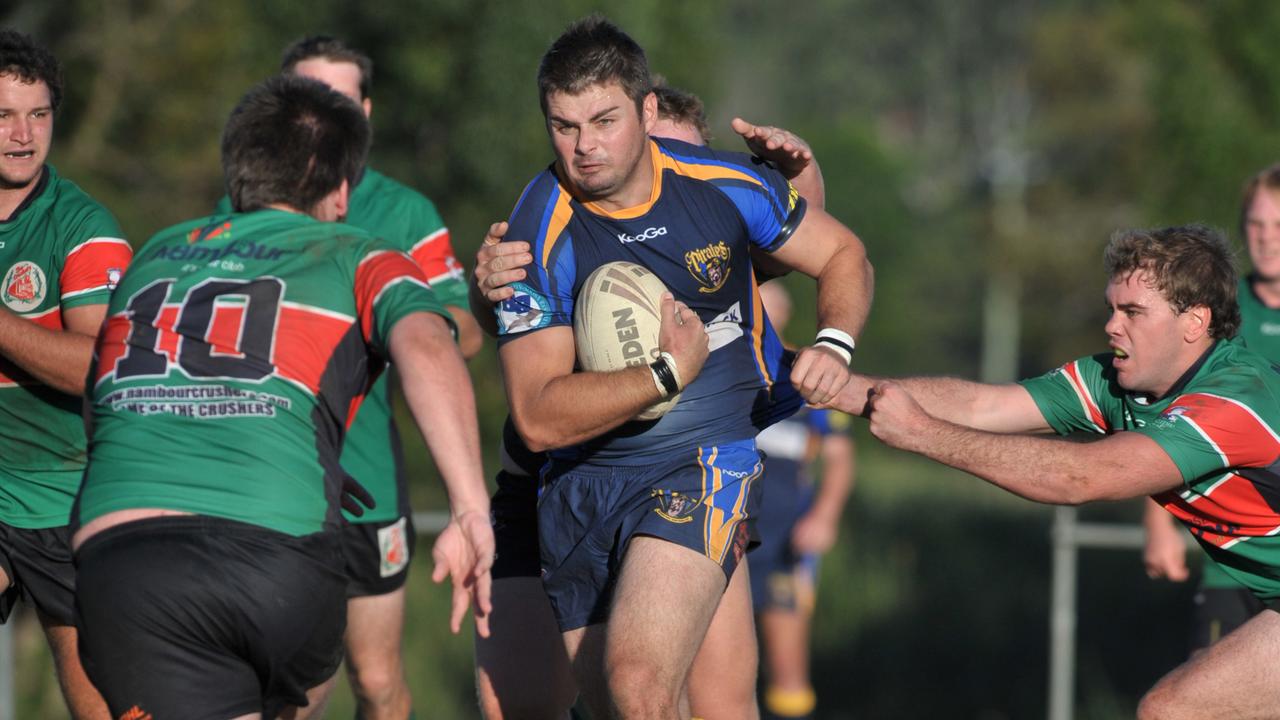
(59, 250)
(1219, 425)
(234, 354)
(408, 221)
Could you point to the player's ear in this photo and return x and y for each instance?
(342, 202)
(649, 112)
(1197, 319)
(333, 207)
(367, 105)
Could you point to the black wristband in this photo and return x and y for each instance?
(662, 371)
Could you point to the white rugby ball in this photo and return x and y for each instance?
(616, 321)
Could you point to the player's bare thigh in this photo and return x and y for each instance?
(665, 591)
(722, 681)
(1237, 677)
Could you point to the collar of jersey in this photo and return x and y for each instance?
(655, 157)
(45, 173)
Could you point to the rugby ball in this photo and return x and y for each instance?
(616, 320)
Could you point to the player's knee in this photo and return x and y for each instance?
(642, 688)
(377, 682)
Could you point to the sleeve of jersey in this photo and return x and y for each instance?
(1204, 433)
(95, 262)
(771, 208)
(434, 254)
(545, 297)
(1074, 397)
(390, 285)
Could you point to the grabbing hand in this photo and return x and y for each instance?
(464, 553)
(498, 264)
(683, 335)
(781, 147)
(896, 418)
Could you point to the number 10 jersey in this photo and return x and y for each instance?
(235, 351)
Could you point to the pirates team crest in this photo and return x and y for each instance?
(24, 287)
(709, 266)
(675, 506)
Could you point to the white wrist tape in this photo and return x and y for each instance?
(839, 341)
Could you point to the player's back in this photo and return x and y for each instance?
(234, 351)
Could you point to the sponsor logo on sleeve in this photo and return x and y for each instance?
(527, 309)
(113, 278)
(24, 287)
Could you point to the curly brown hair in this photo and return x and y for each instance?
(1190, 265)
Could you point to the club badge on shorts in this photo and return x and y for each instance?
(393, 547)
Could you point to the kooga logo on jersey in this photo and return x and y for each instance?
(648, 234)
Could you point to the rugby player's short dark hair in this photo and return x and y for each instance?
(29, 61)
(292, 140)
(680, 107)
(594, 51)
(331, 49)
(1190, 265)
(1266, 179)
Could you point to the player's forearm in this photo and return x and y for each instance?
(963, 402)
(845, 287)
(577, 407)
(438, 391)
(57, 358)
(1046, 470)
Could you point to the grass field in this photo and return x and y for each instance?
(934, 605)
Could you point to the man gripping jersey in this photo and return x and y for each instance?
(1189, 417)
(235, 351)
(61, 253)
(642, 524)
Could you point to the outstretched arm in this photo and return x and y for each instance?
(1048, 470)
(995, 408)
(438, 391)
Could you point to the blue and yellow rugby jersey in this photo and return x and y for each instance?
(706, 210)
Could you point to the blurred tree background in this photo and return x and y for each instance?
(984, 151)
